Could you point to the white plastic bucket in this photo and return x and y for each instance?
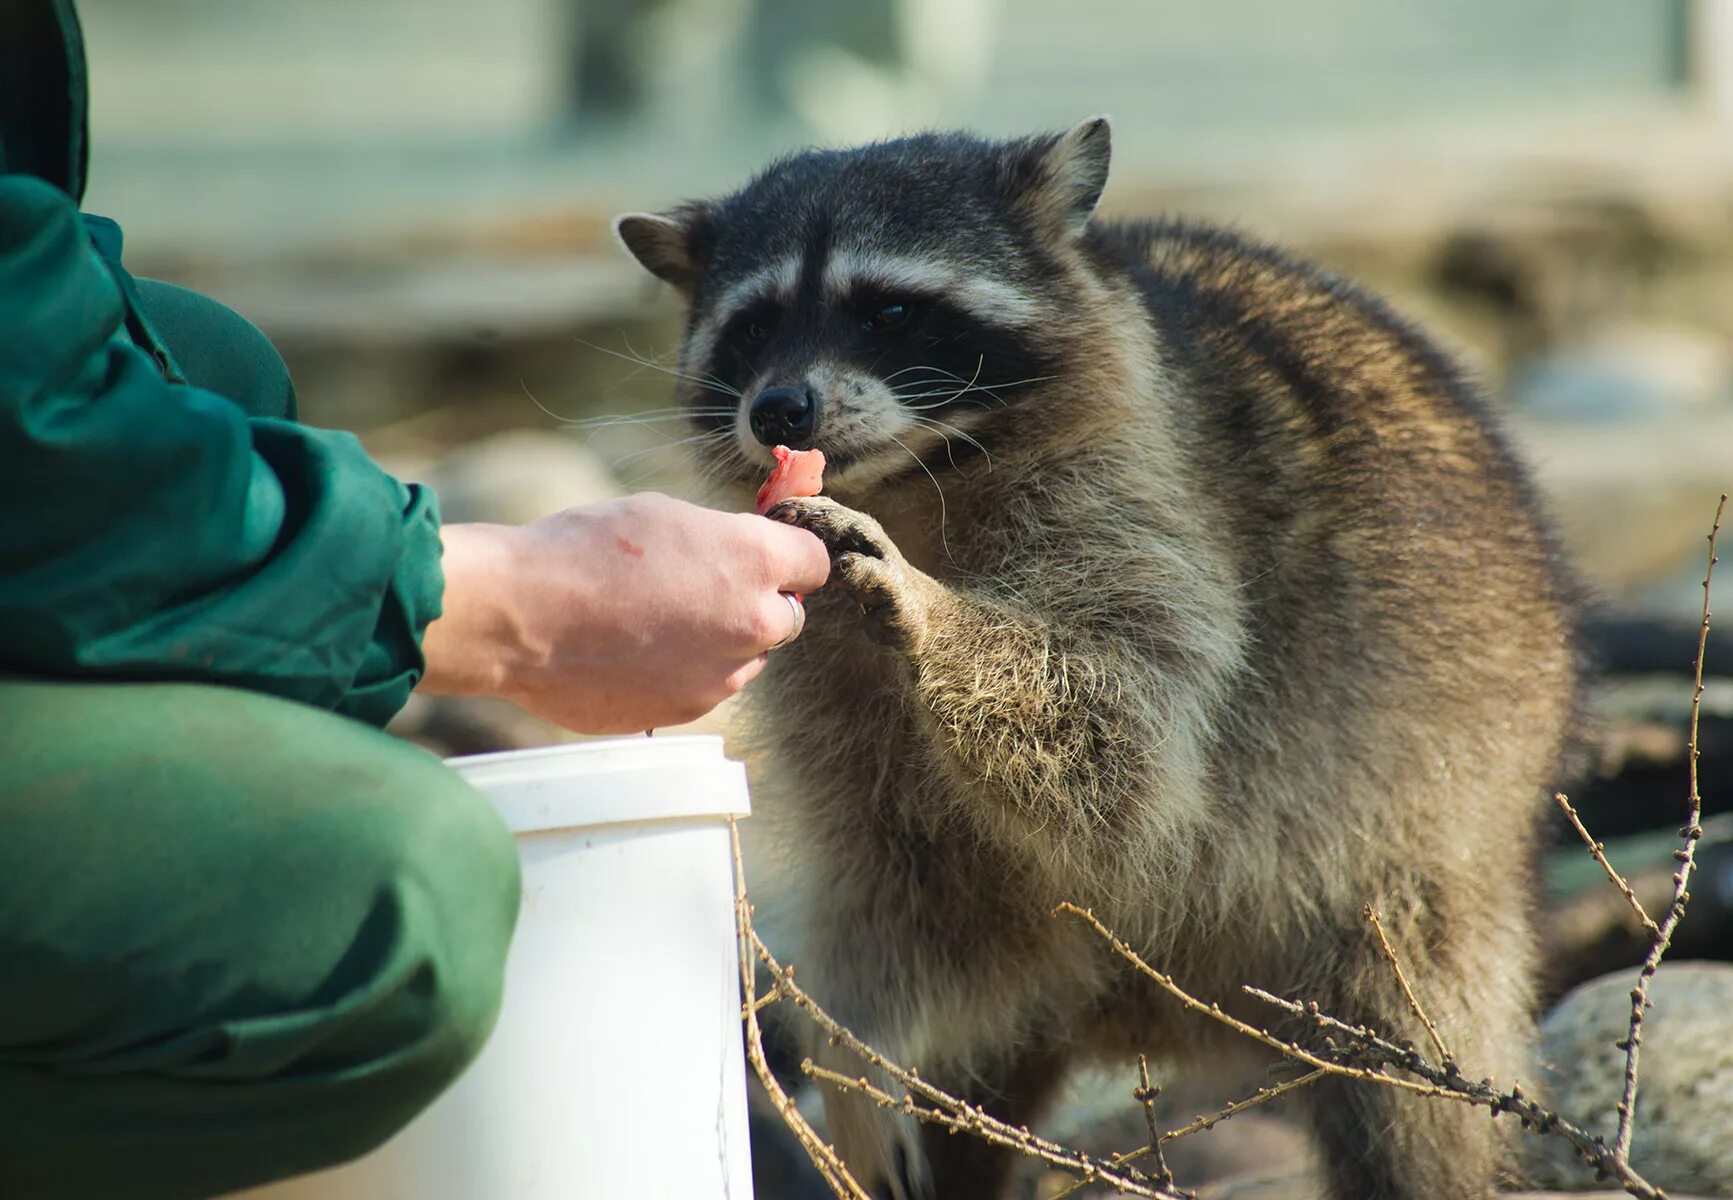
(616, 1070)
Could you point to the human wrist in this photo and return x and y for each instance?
(478, 645)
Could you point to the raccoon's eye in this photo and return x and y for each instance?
(888, 317)
(757, 333)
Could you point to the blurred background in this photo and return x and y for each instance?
(411, 197)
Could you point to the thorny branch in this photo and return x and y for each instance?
(1692, 830)
(1599, 850)
(1356, 1052)
(1348, 1051)
(823, 1155)
(1216, 1013)
(1372, 915)
(1145, 1095)
(945, 1109)
(968, 1120)
(1262, 1096)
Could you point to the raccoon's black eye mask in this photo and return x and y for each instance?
(878, 314)
(891, 316)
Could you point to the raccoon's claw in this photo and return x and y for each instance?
(870, 581)
(864, 563)
(842, 530)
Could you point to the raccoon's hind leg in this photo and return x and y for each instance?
(1016, 1090)
(1380, 1143)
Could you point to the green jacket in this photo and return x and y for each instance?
(162, 516)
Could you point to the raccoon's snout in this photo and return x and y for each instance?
(784, 416)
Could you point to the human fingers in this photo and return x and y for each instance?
(798, 561)
(746, 673)
(781, 619)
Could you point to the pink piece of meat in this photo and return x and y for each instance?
(796, 473)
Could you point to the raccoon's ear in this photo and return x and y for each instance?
(1059, 180)
(662, 244)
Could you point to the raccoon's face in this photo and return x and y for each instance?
(885, 305)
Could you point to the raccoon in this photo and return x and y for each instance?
(1171, 577)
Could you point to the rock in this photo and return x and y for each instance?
(1633, 501)
(517, 476)
(1683, 1140)
(1253, 1141)
(1291, 1184)
(1587, 928)
(1627, 373)
(1097, 1115)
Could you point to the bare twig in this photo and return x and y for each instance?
(941, 1108)
(1693, 830)
(1372, 915)
(1145, 1095)
(969, 1120)
(1377, 1054)
(1599, 850)
(1197, 1125)
(823, 1155)
(1214, 1012)
(947, 1110)
(1371, 1058)
(1262, 1096)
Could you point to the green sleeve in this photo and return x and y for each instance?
(152, 530)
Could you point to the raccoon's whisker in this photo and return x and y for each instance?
(994, 390)
(656, 426)
(715, 385)
(935, 370)
(545, 409)
(713, 470)
(940, 425)
(718, 385)
(984, 390)
(689, 440)
(943, 511)
(712, 435)
(626, 341)
(646, 417)
(947, 390)
(949, 453)
(650, 417)
(709, 378)
(979, 363)
(948, 399)
(951, 395)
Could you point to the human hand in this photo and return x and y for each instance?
(620, 616)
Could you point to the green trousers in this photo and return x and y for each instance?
(240, 938)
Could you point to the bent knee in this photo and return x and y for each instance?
(422, 980)
(443, 863)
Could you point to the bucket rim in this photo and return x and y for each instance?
(609, 781)
(589, 748)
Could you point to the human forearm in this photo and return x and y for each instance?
(478, 644)
(149, 529)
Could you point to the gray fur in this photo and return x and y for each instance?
(1236, 616)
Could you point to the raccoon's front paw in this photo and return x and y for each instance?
(865, 564)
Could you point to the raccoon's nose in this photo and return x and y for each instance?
(783, 416)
